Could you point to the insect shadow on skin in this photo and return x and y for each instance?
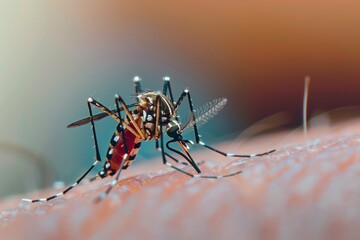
(146, 119)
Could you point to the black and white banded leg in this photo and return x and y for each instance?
(233, 154)
(188, 158)
(121, 122)
(97, 153)
(158, 148)
(138, 132)
(158, 107)
(119, 130)
(137, 84)
(167, 87)
(113, 182)
(164, 154)
(166, 90)
(186, 93)
(197, 135)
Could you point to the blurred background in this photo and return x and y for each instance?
(55, 54)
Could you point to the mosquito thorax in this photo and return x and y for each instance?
(147, 103)
(147, 110)
(173, 129)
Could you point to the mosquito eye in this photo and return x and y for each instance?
(173, 129)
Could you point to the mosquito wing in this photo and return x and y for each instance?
(96, 117)
(205, 113)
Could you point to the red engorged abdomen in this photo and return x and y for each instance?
(119, 149)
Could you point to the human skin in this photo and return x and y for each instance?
(307, 189)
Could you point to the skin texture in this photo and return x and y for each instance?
(307, 189)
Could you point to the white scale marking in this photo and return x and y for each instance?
(116, 138)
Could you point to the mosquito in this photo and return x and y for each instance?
(152, 113)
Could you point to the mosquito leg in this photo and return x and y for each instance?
(200, 175)
(121, 122)
(139, 133)
(197, 136)
(97, 153)
(103, 108)
(187, 156)
(157, 147)
(113, 182)
(97, 117)
(137, 84)
(185, 93)
(164, 154)
(66, 190)
(113, 115)
(236, 155)
(158, 117)
(167, 87)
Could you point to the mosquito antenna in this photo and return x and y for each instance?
(305, 105)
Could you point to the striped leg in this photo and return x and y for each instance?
(233, 154)
(197, 135)
(185, 93)
(97, 154)
(114, 139)
(137, 84)
(188, 158)
(65, 191)
(167, 87)
(121, 123)
(164, 154)
(138, 132)
(157, 147)
(113, 182)
(125, 163)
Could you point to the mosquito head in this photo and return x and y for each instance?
(173, 130)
